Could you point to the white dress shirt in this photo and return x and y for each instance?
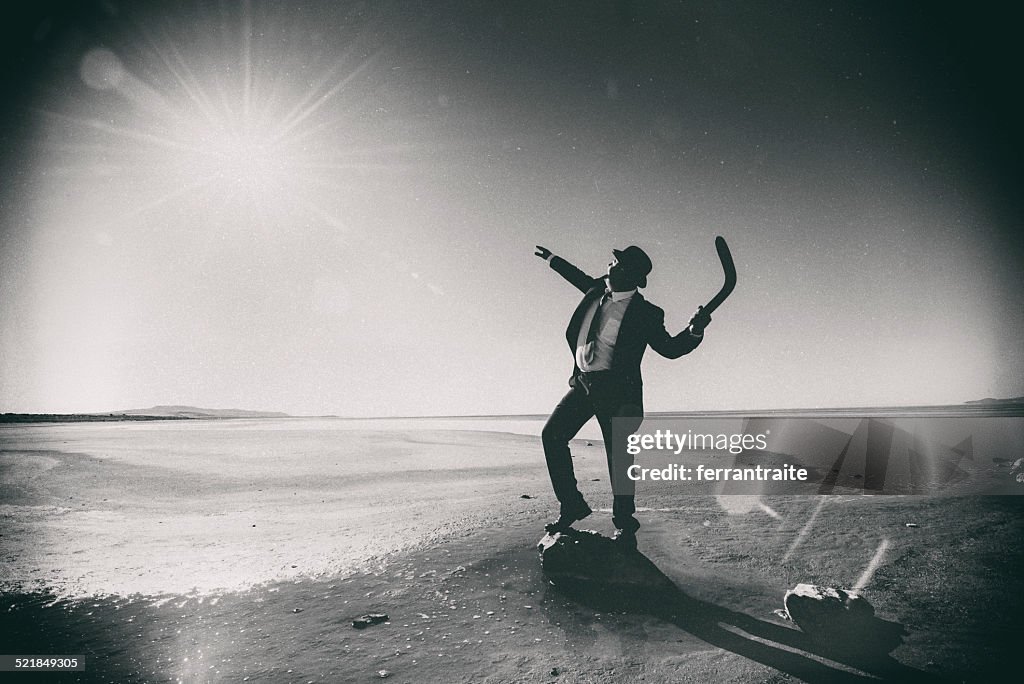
(608, 331)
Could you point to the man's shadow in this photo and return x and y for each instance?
(865, 648)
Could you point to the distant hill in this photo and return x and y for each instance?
(989, 400)
(155, 413)
(195, 412)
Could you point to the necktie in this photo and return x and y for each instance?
(595, 326)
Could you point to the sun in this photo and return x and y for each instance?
(252, 130)
(243, 160)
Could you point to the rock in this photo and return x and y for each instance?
(842, 623)
(365, 621)
(525, 496)
(383, 674)
(588, 561)
(822, 612)
(554, 672)
(911, 524)
(590, 444)
(1017, 467)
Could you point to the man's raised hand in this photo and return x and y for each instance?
(700, 320)
(543, 252)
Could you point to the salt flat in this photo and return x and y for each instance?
(200, 506)
(228, 550)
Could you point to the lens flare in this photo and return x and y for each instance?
(102, 69)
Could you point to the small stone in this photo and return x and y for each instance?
(365, 621)
(383, 674)
(297, 610)
(525, 496)
(911, 524)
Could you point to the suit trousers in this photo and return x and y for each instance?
(603, 396)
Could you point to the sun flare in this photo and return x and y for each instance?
(247, 132)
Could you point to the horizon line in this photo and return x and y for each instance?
(976, 403)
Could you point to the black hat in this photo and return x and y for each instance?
(636, 261)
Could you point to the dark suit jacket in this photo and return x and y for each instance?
(643, 325)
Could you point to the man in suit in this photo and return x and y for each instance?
(608, 335)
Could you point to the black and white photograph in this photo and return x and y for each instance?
(562, 341)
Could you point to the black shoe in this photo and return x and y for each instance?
(565, 520)
(625, 540)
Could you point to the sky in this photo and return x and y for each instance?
(331, 208)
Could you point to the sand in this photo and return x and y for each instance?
(150, 567)
(202, 508)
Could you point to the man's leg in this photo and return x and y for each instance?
(617, 423)
(566, 420)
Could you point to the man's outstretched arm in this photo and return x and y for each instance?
(674, 346)
(580, 280)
